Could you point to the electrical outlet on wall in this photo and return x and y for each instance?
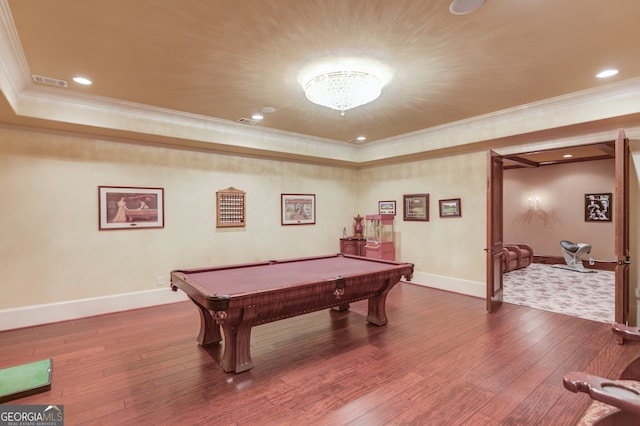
(160, 280)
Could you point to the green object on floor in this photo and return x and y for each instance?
(25, 379)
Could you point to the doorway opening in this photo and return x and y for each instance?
(544, 202)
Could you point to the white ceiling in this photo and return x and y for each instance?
(217, 61)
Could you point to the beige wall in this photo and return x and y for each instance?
(560, 213)
(51, 252)
(451, 247)
(51, 249)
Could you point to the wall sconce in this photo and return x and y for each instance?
(534, 203)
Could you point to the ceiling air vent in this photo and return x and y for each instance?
(48, 80)
(249, 121)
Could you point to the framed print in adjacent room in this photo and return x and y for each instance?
(121, 207)
(597, 207)
(416, 207)
(298, 209)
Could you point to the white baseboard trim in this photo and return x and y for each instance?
(455, 285)
(29, 316)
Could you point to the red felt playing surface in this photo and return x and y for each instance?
(262, 277)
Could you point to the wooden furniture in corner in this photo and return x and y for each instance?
(352, 246)
(616, 402)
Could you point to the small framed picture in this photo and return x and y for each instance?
(387, 207)
(416, 207)
(121, 207)
(597, 207)
(298, 209)
(450, 208)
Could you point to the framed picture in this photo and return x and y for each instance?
(450, 208)
(298, 209)
(387, 207)
(597, 207)
(416, 207)
(121, 207)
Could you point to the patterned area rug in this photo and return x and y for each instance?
(583, 295)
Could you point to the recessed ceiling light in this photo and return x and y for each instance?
(462, 7)
(567, 156)
(268, 110)
(361, 138)
(257, 116)
(607, 73)
(82, 80)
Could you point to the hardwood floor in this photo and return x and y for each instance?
(441, 360)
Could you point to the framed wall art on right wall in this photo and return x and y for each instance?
(416, 207)
(450, 208)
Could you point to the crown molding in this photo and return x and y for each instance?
(78, 109)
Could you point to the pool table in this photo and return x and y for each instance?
(238, 297)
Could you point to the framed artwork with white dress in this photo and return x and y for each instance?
(124, 207)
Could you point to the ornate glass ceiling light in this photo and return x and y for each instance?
(345, 83)
(343, 90)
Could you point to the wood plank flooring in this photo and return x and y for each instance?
(441, 360)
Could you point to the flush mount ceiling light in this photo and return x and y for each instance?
(344, 83)
(343, 90)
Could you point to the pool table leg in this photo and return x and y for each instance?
(237, 340)
(209, 329)
(377, 313)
